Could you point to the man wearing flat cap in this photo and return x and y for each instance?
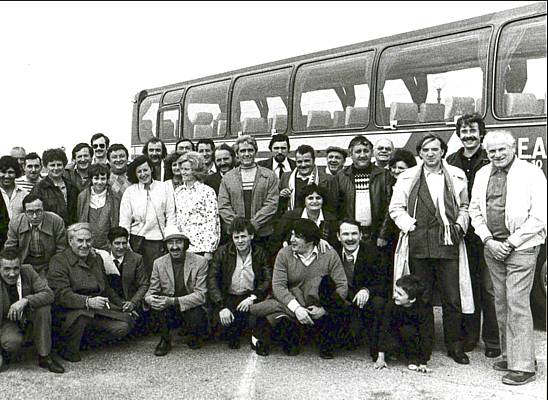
(177, 292)
(335, 159)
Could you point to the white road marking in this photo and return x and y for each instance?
(246, 388)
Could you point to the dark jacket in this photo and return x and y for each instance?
(134, 278)
(269, 163)
(219, 275)
(4, 221)
(323, 181)
(77, 181)
(214, 181)
(54, 200)
(478, 161)
(342, 190)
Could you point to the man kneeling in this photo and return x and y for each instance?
(177, 291)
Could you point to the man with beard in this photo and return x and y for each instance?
(32, 168)
(224, 160)
(471, 158)
(382, 151)
(279, 162)
(206, 148)
(118, 155)
(78, 173)
(100, 143)
(156, 150)
(11, 193)
(335, 159)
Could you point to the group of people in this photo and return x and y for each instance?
(213, 241)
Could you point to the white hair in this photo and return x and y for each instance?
(499, 134)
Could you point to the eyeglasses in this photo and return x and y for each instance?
(99, 146)
(380, 148)
(34, 212)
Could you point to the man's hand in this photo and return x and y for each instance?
(226, 316)
(245, 304)
(381, 242)
(303, 316)
(324, 246)
(361, 298)
(159, 303)
(499, 250)
(15, 313)
(128, 306)
(98, 302)
(286, 193)
(316, 312)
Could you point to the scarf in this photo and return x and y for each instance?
(312, 178)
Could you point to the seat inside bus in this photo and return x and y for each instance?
(278, 122)
(219, 124)
(318, 119)
(338, 119)
(355, 116)
(455, 106)
(404, 112)
(431, 112)
(254, 125)
(203, 125)
(516, 104)
(168, 129)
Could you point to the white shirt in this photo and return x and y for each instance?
(276, 166)
(14, 203)
(243, 276)
(436, 185)
(320, 217)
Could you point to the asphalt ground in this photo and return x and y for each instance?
(129, 370)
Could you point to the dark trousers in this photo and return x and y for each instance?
(445, 273)
(104, 329)
(241, 319)
(194, 321)
(484, 300)
(368, 319)
(150, 250)
(39, 322)
(405, 338)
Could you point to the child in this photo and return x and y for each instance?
(405, 326)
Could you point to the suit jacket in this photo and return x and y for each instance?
(53, 235)
(219, 277)
(214, 181)
(162, 281)
(134, 277)
(269, 163)
(323, 181)
(33, 288)
(55, 201)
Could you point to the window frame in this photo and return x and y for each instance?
(162, 109)
(154, 128)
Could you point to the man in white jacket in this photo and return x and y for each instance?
(508, 212)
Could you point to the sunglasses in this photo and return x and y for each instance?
(99, 146)
(380, 148)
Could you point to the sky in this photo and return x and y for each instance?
(69, 70)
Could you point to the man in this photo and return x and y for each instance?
(19, 153)
(126, 273)
(177, 292)
(117, 156)
(83, 299)
(156, 150)
(78, 173)
(383, 150)
(206, 147)
(362, 191)
(224, 161)
(183, 146)
(12, 194)
(367, 285)
(25, 301)
(508, 211)
(301, 300)
(249, 191)
(32, 168)
(336, 158)
(279, 162)
(38, 234)
(430, 205)
(100, 144)
(471, 158)
(239, 276)
(305, 173)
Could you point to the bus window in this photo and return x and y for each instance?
(259, 103)
(173, 96)
(205, 110)
(333, 94)
(520, 88)
(148, 112)
(434, 80)
(169, 124)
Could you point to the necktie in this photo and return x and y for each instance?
(117, 263)
(349, 258)
(280, 170)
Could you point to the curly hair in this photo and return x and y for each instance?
(197, 164)
(54, 155)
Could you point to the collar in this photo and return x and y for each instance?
(121, 259)
(354, 254)
(427, 173)
(495, 170)
(366, 170)
(285, 163)
(320, 217)
(315, 252)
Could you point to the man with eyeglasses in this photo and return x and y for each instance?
(38, 234)
(383, 150)
(99, 143)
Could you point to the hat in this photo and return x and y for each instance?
(337, 149)
(172, 232)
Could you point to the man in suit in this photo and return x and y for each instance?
(25, 300)
(38, 234)
(177, 292)
(225, 158)
(239, 275)
(83, 299)
(279, 162)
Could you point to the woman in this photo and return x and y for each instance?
(59, 195)
(147, 207)
(315, 210)
(173, 175)
(401, 160)
(196, 204)
(99, 206)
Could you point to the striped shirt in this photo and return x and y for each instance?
(25, 184)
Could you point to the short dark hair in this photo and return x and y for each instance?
(116, 232)
(430, 137)
(99, 169)
(169, 160)
(155, 140)
(185, 140)
(33, 156)
(7, 162)
(132, 167)
(209, 142)
(228, 148)
(468, 119)
(81, 146)
(402, 155)
(360, 139)
(240, 224)
(348, 221)
(50, 155)
(307, 229)
(305, 149)
(309, 189)
(98, 136)
(10, 253)
(29, 198)
(279, 137)
(116, 147)
(412, 286)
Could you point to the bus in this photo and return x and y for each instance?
(397, 87)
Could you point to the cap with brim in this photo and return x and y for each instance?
(337, 149)
(172, 232)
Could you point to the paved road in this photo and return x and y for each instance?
(131, 371)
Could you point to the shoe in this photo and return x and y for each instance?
(260, 348)
(49, 363)
(492, 353)
(459, 357)
(468, 347)
(502, 365)
(234, 344)
(162, 348)
(326, 354)
(194, 344)
(70, 356)
(518, 378)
